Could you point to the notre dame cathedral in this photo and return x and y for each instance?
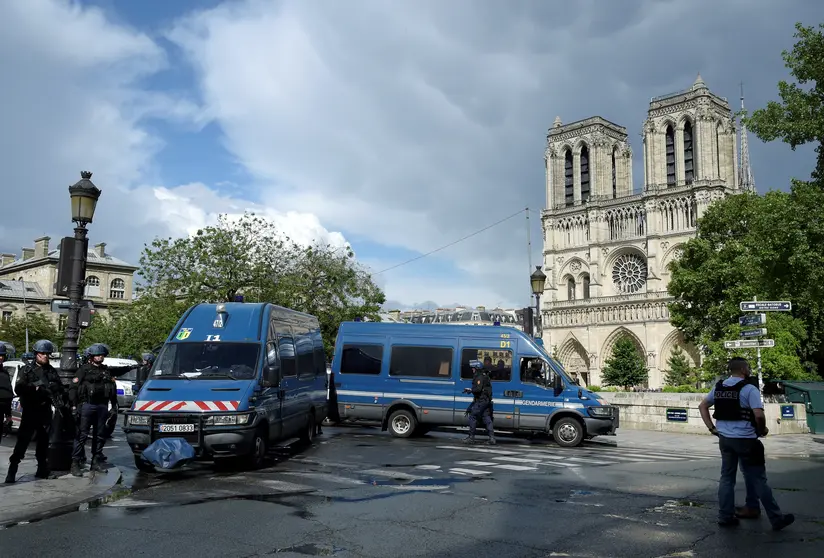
(607, 244)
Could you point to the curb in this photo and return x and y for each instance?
(106, 485)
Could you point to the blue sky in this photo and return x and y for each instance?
(396, 128)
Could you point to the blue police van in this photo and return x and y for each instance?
(233, 379)
(411, 378)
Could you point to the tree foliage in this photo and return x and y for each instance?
(680, 372)
(799, 118)
(625, 367)
(247, 256)
(40, 327)
(770, 247)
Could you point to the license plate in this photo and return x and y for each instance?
(176, 428)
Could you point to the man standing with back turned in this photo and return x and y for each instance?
(740, 419)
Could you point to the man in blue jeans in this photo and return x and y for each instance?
(740, 420)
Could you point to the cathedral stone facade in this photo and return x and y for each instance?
(607, 245)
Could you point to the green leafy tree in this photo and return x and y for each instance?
(625, 367)
(799, 118)
(680, 372)
(40, 327)
(250, 256)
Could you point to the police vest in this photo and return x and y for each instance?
(97, 387)
(728, 403)
(481, 385)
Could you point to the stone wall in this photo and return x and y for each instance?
(648, 411)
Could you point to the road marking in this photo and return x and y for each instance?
(428, 467)
(515, 467)
(582, 459)
(469, 471)
(480, 450)
(517, 459)
(323, 476)
(476, 463)
(393, 474)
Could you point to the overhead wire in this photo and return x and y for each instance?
(445, 246)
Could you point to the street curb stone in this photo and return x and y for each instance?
(99, 489)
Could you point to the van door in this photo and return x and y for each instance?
(497, 359)
(359, 375)
(269, 398)
(289, 384)
(538, 399)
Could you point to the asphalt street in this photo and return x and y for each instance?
(359, 492)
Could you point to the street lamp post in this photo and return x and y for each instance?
(538, 281)
(84, 195)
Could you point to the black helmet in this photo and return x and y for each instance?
(98, 349)
(43, 346)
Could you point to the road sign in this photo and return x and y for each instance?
(749, 343)
(754, 332)
(766, 306)
(787, 411)
(752, 320)
(60, 306)
(677, 415)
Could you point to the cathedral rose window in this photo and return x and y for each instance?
(629, 273)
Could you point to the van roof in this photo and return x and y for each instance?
(242, 322)
(477, 331)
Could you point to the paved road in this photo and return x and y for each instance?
(359, 492)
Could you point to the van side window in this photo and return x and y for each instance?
(498, 362)
(534, 371)
(286, 348)
(425, 362)
(361, 359)
(304, 348)
(319, 354)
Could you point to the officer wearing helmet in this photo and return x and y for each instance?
(481, 406)
(6, 392)
(143, 371)
(38, 385)
(91, 392)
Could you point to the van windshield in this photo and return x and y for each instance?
(207, 361)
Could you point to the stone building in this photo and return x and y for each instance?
(33, 276)
(460, 316)
(607, 244)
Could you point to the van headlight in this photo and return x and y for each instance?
(139, 420)
(226, 420)
(599, 411)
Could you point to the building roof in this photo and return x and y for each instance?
(93, 259)
(20, 290)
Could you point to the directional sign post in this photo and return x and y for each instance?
(766, 306)
(752, 320)
(750, 344)
(759, 306)
(761, 331)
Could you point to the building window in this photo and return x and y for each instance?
(421, 362)
(584, 173)
(689, 173)
(361, 359)
(670, 135)
(92, 286)
(498, 362)
(61, 322)
(614, 174)
(629, 273)
(585, 281)
(118, 289)
(569, 187)
(7, 315)
(571, 289)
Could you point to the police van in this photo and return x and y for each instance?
(412, 377)
(232, 379)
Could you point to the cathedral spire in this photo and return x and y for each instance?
(746, 182)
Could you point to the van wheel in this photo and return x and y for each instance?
(308, 433)
(402, 423)
(568, 432)
(256, 458)
(143, 465)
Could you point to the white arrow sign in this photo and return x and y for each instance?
(749, 343)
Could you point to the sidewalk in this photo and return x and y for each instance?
(31, 499)
(786, 445)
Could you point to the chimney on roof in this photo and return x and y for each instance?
(395, 315)
(481, 308)
(28, 253)
(6, 259)
(41, 247)
(100, 250)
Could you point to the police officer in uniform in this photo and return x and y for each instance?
(91, 392)
(143, 371)
(6, 393)
(740, 421)
(481, 406)
(38, 386)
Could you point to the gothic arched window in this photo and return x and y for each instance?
(569, 187)
(585, 281)
(614, 174)
(571, 289)
(670, 144)
(689, 169)
(584, 173)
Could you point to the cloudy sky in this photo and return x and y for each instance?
(398, 126)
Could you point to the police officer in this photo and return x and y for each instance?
(740, 421)
(91, 392)
(481, 406)
(143, 371)
(38, 386)
(6, 393)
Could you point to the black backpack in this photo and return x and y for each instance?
(481, 383)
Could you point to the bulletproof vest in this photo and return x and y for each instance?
(97, 386)
(728, 403)
(481, 384)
